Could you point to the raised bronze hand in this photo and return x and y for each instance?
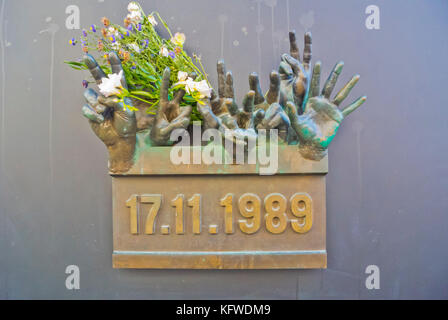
(170, 115)
(256, 113)
(112, 123)
(318, 125)
(223, 105)
(221, 111)
(295, 74)
(268, 112)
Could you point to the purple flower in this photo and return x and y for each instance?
(85, 84)
(133, 67)
(112, 38)
(84, 33)
(126, 34)
(130, 27)
(139, 27)
(145, 43)
(172, 54)
(93, 28)
(72, 41)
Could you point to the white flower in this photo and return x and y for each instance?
(135, 16)
(111, 31)
(191, 86)
(152, 20)
(133, 6)
(203, 88)
(115, 46)
(187, 82)
(178, 39)
(112, 85)
(134, 47)
(163, 51)
(182, 76)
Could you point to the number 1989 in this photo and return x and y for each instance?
(274, 207)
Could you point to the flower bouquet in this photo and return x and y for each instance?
(144, 55)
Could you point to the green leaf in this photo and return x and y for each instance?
(76, 65)
(142, 93)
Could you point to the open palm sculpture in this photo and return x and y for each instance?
(293, 105)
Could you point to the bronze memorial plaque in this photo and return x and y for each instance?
(200, 180)
(225, 220)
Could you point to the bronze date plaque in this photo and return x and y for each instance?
(223, 217)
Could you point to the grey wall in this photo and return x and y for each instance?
(387, 190)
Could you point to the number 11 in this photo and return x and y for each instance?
(195, 203)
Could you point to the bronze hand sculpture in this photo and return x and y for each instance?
(321, 119)
(256, 113)
(295, 73)
(293, 105)
(269, 113)
(169, 115)
(115, 125)
(221, 111)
